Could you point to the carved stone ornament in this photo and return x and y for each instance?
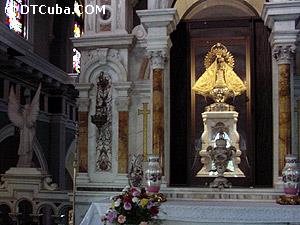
(140, 32)
(122, 103)
(98, 54)
(135, 174)
(49, 185)
(89, 18)
(103, 120)
(114, 55)
(119, 13)
(3, 183)
(100, 117)
(284, 53)
(158, 58)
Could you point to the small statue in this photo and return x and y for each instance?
(90, 24)
(100, 117)
(25, 120)
(136, 174)
(219, 81)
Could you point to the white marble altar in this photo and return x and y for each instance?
(184, 212)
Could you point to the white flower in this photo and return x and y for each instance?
(118, 202)
(126, 188)
(135, 200)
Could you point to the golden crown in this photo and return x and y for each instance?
(218, 50)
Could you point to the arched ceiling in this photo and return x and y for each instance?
(188, 9)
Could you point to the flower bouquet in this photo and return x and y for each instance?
(133, 206)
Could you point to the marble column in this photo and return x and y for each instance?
(158, 113)
(122, 104)
(123, 142)
(159, 24)
(282, 38)
(158, 59)
(284, 55)
(83, 118)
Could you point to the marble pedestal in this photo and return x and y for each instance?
(28, 178)
(214, 122)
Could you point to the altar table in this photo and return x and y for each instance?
(186, 212)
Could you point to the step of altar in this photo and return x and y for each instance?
(209, 194)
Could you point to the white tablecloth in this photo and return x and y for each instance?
(217, 212)
(94, 213)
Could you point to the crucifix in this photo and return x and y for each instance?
(145, 113)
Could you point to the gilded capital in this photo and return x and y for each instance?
(158, 58)
(284, 53)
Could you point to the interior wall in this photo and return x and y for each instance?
(42, 30)
(61, 50)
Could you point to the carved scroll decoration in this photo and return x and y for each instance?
(104, 131)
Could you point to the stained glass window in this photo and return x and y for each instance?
(78, 27)
(76, 61)
(15, 20)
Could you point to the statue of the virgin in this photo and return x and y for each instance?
(219, 81)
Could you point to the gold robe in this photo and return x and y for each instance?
(208, 80)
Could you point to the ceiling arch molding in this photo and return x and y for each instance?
(205, 9)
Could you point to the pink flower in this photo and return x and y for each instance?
(133, 189)
(127, 206)
(143, 223)
(111, 216)
(121, 219)
(135, 193)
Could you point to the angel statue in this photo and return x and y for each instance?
(219, 81)
(25, 119)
